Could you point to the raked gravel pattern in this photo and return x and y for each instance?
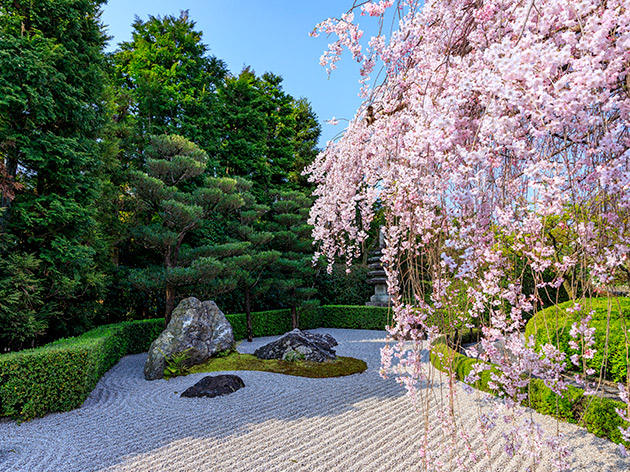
(276, 423)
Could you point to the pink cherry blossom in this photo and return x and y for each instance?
(495, 145)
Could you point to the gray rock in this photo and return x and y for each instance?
(213, 386)
(298, 344)
(199, 327)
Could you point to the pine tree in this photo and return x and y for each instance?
(294, 272)
(253, 265)
(174, 198)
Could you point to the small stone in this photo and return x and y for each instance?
(213, 386)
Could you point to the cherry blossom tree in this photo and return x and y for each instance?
(494, 135)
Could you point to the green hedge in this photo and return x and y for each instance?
(598, 415)
(60, 375)
(543, 327)
(264, 323)
(354, 317)
(274, 322)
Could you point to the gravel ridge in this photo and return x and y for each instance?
(276, 423)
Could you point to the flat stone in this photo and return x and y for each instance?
(214, 386)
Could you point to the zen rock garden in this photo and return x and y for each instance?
(201, 331)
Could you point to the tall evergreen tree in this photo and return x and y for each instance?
(252, 274)
(168, 81)
(51, 114)
(164, 83)
(267, 136)
(294, 274)
(173, 204)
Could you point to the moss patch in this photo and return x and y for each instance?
(237, 361)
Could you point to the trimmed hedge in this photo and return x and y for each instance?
(61, 375)
(596, 414)
(264, 323)
(543, 327)
(354, 317)
(274, 322)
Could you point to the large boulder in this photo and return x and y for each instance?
(199, 328)
(298, 344)
(213, 386)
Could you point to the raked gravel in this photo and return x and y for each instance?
(276, 423)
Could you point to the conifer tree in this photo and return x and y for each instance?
(294, 272)
(253, 265)
(167, 82)
(267, 136)
(51, 112)
(174, 198)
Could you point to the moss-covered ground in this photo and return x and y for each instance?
(301, 368)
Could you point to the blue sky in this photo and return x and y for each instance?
(269, 35)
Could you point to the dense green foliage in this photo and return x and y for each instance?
(267, 136)
(166, 83)
(610, 320)
(341, 288)
(596, 414)
(171, 207)
(52, 78)
(60, 375)
(293, 272)
(23, 315)
(122, 179)
(354, 317)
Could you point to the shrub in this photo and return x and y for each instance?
(264, 323)
(552, 325)
(60, 375)
(354, 317)
(596, 414)
(601, 419)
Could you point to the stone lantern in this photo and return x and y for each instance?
(377, 276)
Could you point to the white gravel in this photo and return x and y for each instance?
(276, 423)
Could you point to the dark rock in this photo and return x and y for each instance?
(213, 386)
(199, 328)
(298, 344)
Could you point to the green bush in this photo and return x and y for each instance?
(567, 406)
(552, 325)
(448, 360)
(264, 323)
(598, 415)
(601, 419)
(354, 317)
(60, 375)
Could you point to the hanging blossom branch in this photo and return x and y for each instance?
(497, 146)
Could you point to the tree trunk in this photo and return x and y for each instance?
(248, 316)
(170, 304)
(9, 171)
(294, 318)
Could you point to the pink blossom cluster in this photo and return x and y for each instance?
(496, 145)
